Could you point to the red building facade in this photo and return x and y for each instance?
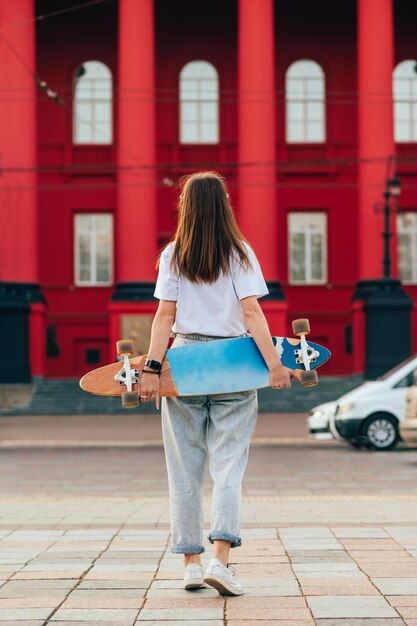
(128, 172)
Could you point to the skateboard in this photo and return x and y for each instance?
(209, 367)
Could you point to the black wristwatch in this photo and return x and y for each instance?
(153, 365)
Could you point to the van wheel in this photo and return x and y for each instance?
(381, 431)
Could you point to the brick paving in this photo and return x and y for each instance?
(329, 533)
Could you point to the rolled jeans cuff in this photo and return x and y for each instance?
(235, 541)
(187, 548)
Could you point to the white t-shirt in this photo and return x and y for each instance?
(210, 308)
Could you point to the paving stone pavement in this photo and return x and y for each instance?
(329, 532)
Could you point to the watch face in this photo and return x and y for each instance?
(155, 365)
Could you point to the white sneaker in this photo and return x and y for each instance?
(193, 576)
(222, 578)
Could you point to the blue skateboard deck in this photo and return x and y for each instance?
(230, 365)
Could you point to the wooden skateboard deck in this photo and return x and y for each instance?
(209, 367)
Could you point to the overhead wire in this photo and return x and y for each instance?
(291, 164)
(231, 184)
(46, 16)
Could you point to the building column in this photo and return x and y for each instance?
(21, 302)
(385, 314)
(136, 218)
(375, 126)
(256, 145)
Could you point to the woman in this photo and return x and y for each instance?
(208, 284)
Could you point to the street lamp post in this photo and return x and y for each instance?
(386, 305)
(392, 190)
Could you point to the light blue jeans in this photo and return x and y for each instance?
(196, 427)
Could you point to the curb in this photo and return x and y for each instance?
(154, 443)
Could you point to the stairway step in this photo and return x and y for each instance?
(64, 397)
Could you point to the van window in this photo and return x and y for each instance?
(407, 381)
(396, 368)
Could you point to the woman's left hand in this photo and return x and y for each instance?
(149, 388)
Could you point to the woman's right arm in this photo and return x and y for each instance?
(255, 321)
(161, 329)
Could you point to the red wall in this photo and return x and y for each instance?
(323, 31)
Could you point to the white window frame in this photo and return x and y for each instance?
(100, 85)
(307, 231)
(413, 232)
(404, 79)
(205, 78)
(298, 93)
(80, 230)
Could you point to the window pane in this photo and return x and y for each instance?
(295, 111)
(314, 88)
(402, 111)
(295, 87)
(207, 71)
(314, 221)
(85, 249)
(84, 111)
(402, 131)
(297, 221)
(84, 133)
(315, 110)
(84, 223)
(102, 89)
(189, 112)
(295, 132)
(102, 111)
(103, 223)
(209, 111)
(96, 70)
(315, 131)
(100, 133)
(404, 257)
(209, 132)
(298, 269)
(407, 246)
(188, 133)
(84, 257)
(103, 257)
(189, 89)
(83, 90)
(317, 256)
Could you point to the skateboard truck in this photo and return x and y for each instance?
(127, 375)
(305, 354)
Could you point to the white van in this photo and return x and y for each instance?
(370, 414)
(408, 427)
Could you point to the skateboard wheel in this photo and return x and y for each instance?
(130, 399)
(309, 378)
(125, 346)
(301, 326)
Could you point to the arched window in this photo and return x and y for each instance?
(405, 101)
(92, 106)
(305, 103)
(199, 103)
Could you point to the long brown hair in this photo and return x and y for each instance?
(207, 233)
